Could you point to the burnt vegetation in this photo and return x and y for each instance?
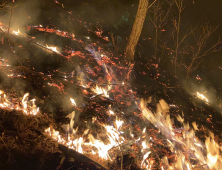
(159, 63)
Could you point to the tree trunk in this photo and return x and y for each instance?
(136, 30)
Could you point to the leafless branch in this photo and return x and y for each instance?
(185, 36)
(10, 18)
(151, 4)
(179, 4)
(213, 48)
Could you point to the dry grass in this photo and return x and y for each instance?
(22, 145)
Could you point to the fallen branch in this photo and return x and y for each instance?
(76, 155)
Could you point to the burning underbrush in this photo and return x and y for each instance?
(110, 126)
(109, 138)
(22, 143)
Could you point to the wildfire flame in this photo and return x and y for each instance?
(202, 97)
(16, 32)
(118, 123)
(27, 107)
(97, 146)
(181, 146)
(187, 143)
(184, 147)
(101, 91)
(73, 101)
(52, 48)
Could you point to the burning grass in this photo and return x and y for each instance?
(107, 139)
(23, 144)
(131, 136)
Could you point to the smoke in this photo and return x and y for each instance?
(205, 88)
(24, 13)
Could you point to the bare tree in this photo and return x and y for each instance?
(158, 20)
(3, 6)
(199, 50)
(136, 30)
(180, 8)
(179, 45)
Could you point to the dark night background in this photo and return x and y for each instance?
(117, 17)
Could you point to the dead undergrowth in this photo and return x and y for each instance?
(22, 144)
